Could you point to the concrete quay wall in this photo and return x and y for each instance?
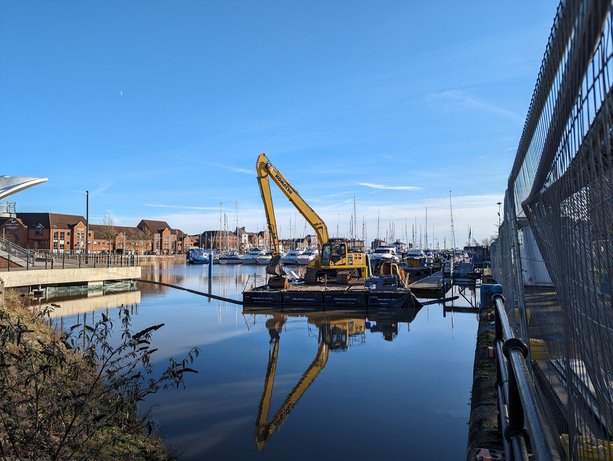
(89, 275)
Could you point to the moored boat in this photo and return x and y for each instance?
(384, 254)
(308, 255)
(233, 257)
(252, 256)
(264, 259)
(197, 256)
(291, 256)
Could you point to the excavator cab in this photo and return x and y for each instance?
(332, 253)
(338, 262)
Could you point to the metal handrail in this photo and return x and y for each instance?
(48, 260)
(522, 420)
(13, 250)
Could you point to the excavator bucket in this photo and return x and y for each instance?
(275, 267)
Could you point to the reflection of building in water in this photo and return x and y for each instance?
(336, 334)
(162, 272)
(73, 306)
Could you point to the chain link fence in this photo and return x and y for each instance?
(561, 188)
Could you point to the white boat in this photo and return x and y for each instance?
(252, 256)
(233, 257)
(291, 256)
(308, 255)
(264, 258)
(384, 254)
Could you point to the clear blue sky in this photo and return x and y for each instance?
(160, 109)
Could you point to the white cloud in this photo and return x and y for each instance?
(383, 186)
(461, 100)
(234, 169)
(180, 207)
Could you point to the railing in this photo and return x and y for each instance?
(16, 254)
(79, 260)
(521, 420)
(31, 260)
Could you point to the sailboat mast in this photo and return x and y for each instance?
(355, 222)
(378, 222)
(452, 229)
(426, 228)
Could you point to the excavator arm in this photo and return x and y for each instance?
(263, 430)
(265, 169)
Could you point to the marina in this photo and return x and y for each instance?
(365, 375)
(415, 300)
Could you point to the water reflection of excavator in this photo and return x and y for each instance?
(334, 335)
(336, 261)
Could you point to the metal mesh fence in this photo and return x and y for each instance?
(561, 186)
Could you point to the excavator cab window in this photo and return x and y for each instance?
(338, 252)
(326, 254)
(331, 253)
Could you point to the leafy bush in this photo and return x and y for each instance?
(75, 395)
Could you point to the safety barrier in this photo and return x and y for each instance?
(521, 419)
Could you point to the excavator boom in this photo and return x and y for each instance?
(265, 169)
(263, 430)
(336, 259)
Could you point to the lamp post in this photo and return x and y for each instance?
(86, 226)
(499, 216)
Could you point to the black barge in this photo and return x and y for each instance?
(324, 297)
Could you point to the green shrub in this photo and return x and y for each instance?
(75, 395)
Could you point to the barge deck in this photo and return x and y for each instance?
(330, 296)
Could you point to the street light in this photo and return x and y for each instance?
(86, 226)
(499, 216)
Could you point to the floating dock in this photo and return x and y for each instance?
(329, 296)
(433, 285)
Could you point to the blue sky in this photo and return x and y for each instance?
(161, 108)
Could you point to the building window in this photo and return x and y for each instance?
(39, 230)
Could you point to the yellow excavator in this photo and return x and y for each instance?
(336, 262)
(333, 335)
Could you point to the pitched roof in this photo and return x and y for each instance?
(33, 219)
(50, 220)
(64, 221)
(4, 219)
(152, 225)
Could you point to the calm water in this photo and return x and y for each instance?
(395, 386)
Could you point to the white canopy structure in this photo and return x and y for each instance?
(10, 185)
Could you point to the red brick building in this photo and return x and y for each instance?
(62, 233)
(160, 234)
(51, 232)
